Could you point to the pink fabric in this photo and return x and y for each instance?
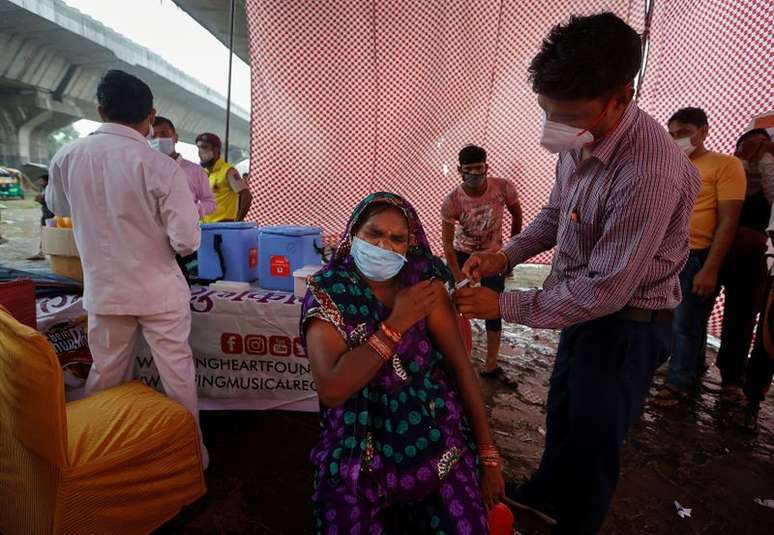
(479, 220)
(619, 222)
(353, 97)
(350, 97)
(200, 186)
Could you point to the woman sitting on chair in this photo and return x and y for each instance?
(396, 453)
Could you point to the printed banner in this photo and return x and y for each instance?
(247, 352)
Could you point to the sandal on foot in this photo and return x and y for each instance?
(491, 373)
(669, 396)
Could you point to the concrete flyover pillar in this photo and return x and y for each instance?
(26, 121)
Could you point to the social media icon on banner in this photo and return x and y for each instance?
(255, 344)
(231, 343)
(280, 346)
(298, 348)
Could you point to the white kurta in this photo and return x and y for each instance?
(132, 210)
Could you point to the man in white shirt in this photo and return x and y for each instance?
(132, 210)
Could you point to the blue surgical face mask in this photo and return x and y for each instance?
(375, 263)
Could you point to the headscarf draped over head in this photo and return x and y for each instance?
(421, 265)
(419, 253)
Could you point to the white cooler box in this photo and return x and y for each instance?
(299, 279)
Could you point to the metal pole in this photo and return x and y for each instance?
(230, 62)
(645, 46)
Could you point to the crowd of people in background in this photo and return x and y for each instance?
(728, 236)
(644, 240)
(646, 224)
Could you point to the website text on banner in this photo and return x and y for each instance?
(246, 350)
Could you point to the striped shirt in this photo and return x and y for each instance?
(619, 222)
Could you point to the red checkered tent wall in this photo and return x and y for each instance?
(350, 97)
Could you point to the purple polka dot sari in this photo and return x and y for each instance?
(397, 456)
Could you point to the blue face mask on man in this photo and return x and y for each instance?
(375, 263)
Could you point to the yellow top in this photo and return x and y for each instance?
(226, 198)
(722, 179)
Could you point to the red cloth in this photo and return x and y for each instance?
(212, 139)
(18, 297)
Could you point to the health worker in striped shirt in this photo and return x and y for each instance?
(618, 218)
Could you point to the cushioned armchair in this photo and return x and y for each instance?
(123, 461)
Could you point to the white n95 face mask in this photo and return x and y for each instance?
(685, 145)
(206, 156)
(165, 145)
(558, 137)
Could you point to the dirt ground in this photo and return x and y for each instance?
(260, 480)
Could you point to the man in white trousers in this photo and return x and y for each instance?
(132, 210)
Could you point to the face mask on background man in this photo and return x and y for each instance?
(685, 145)
(473, 180)
(165, 145)
(206, 156)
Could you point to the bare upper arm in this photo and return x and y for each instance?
(514, 208)
(235, 181)
(444, 329)
(324, 346)
(443, 309)
(729, 210)
(447, 230)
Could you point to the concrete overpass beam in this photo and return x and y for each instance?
(25, 125)
(26, 130)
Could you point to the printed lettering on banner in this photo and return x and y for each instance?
(247, 352)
